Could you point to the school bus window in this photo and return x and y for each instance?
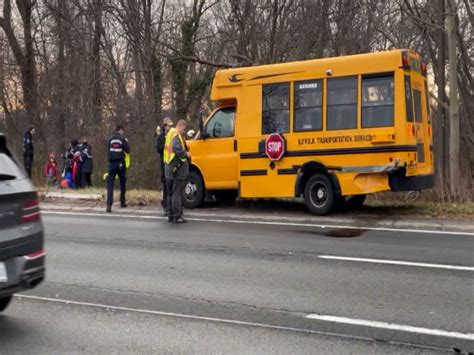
(408, 99)
(342, 103)
(377, 101)
(417, 101)
(308, 114)
(221, 124)
(276, 108)
(427, 97)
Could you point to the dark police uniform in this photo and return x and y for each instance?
(117, 147)
(160, 146)
(28, 151)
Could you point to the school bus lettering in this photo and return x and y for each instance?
(340, 135)
(336, 139)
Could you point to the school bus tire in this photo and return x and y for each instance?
(319, 195)
(193, 190)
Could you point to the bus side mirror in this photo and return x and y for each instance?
(201, 126)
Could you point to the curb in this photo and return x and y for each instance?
(355, 221)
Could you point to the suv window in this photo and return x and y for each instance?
(9, 170)
(342, 103)
(221, 124)
(417, 102)
(276, 108)
(308, 106)
(377, 101)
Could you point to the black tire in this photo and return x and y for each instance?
(193, 190)
(226, 197)
(355, 201)
(4, 302)
(319, 195)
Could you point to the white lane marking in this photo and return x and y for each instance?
(384, 325)
(236, 221)
(189, 316)
(392, 326)
(397, 262)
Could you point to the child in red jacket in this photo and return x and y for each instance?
(51, 171)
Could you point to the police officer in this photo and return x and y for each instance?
(117, 146)
(160, 146)
(28, 150)
(176, 158)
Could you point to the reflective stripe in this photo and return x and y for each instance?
(117, 150)
(168, 153)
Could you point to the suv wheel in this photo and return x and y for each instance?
(4, 302)
(319, 195)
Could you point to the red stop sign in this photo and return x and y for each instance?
(275, 146)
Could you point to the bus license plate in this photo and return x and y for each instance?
(3, 273)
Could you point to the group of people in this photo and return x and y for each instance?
(175, 159)
(77, 163)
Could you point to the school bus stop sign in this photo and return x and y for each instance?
(275, 146)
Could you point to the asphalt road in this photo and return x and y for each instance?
(124, 284)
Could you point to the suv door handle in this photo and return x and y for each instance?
(235, 145)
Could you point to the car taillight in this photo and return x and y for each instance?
(37, 254)
(31, 211)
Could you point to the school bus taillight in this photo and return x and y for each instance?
(424, 69)
(405, 60)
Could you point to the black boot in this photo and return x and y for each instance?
(123, 204)
(109, 208)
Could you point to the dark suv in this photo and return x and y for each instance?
(22, 257)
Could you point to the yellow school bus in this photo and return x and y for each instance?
(330, 130)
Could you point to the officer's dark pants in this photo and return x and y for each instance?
(164, 201)
(177, 198)
(116, 168)
(28, 160)
(169, 197)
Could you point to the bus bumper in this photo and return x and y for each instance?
(411, 183)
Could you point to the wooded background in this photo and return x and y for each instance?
(75, 68)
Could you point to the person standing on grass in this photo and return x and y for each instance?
(117, 147)
(28, 150)
(160, 146)
(177, 158)
(86, 164)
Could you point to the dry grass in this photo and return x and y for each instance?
(135, 197)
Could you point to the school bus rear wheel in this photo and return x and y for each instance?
(319, 194)
(193, 190)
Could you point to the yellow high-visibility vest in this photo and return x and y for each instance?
(168, 153)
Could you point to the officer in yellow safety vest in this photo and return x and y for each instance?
(176, 157)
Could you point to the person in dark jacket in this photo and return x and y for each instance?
(28, 150)
(117, 146)
(75, 156)
(160, 146)
(86, 164)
